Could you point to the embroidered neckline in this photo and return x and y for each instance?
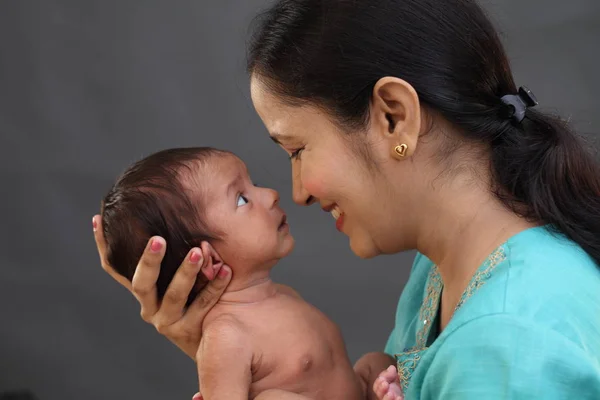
(407, 361)
(481, 276)
(429, 307)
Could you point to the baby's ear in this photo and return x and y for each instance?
(212, 261)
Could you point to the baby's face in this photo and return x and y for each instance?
(253, 226)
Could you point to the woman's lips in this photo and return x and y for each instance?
(339, 222)
(338, 215)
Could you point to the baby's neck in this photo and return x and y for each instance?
(249, 289)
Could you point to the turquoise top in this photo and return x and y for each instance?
(527, 326)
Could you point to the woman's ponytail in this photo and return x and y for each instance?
(544, 172)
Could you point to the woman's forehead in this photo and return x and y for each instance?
(286, 122)
(269, 108)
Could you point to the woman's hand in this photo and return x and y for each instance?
(182, 327)
(368, 368)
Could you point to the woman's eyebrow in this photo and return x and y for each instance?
(278, 137)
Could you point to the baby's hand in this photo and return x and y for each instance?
(387, 385)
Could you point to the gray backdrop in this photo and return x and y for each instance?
(87, 87)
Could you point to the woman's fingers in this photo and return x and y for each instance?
(182, 327)
(146, 275)
(186, 332)
(207, 298)
(178, 292)
(101, 246)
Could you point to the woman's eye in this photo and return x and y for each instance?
(242, 201)
(296, 154)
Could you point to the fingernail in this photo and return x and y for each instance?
(94, 223)
(156, 245)
(223, 272)
(194, 257)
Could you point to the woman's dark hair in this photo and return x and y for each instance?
(158, 196)
(330, 53)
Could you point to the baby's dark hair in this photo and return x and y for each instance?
(159, 195)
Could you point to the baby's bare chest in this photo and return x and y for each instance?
(297, 348)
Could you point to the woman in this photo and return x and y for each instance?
(403, 119)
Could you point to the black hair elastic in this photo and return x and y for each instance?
(518, 103)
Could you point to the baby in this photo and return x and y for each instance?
(261, 339)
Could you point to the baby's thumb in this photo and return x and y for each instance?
(197, 396)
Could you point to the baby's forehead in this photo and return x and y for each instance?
(214, 176)
(225, 168)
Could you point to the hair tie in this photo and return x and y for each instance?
(518, 103)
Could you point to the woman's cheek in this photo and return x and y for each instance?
(321, 176)
(316, 183)
(315, 187)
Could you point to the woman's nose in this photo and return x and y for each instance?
(299, 193)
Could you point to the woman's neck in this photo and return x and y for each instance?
(461, 235)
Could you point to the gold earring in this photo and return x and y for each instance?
(400, 150)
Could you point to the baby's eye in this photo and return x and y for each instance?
(242, 200)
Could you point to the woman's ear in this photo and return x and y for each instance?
(396, 116)
(212, 263)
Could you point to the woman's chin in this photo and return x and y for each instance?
(364, 249)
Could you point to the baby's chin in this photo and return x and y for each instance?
(288, 245)
(283, 250)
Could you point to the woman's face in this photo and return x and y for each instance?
(329, 168)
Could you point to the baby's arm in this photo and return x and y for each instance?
(224, 361)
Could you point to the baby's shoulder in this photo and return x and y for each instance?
(224, 343)
(224, 326)
(287, 290)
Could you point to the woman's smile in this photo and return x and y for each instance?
(339, 220)
(336, 213)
